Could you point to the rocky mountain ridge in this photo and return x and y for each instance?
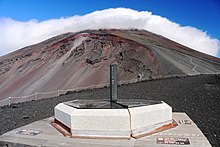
(82, 59)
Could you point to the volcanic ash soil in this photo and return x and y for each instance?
(198, 96)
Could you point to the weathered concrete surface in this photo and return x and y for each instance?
(50, 137)
(114, 122)
(94, 122)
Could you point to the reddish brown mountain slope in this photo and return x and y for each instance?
(82, 59)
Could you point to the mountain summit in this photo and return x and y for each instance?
(82, 59)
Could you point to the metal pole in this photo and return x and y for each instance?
(113, 83)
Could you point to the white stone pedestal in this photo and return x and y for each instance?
(118, 122)
(94, 122)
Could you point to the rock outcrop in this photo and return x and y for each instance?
(82, 59)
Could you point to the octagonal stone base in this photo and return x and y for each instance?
(124, 119)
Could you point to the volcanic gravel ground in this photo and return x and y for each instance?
(198, 96)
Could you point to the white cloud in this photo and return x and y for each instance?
(16, 34)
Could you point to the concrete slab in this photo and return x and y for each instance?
(50, 137)
(149, 118)
(94, 122)
(101, 118)
(188, 131)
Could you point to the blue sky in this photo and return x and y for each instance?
(203, 15)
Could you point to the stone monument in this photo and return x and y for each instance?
(113, 118)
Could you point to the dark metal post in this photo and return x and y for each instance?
(113, 83)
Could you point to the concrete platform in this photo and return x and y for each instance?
(42, 133)
(101, 118)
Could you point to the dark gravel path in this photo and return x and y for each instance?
(197, 96)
